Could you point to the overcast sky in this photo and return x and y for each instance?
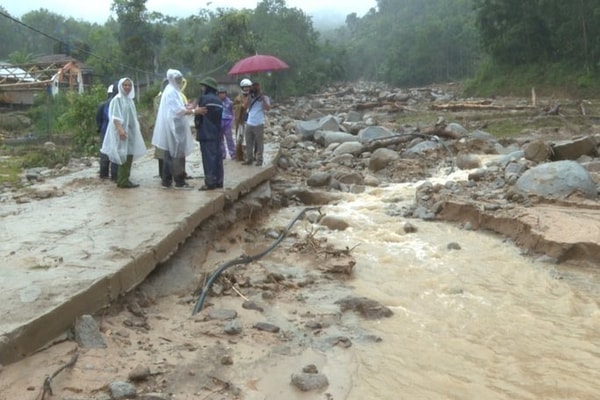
(99, 10)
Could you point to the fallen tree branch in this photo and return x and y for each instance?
(47, 386)
(482, 105)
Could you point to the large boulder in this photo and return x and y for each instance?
(557, 179)
(325, 138)
(374, 133)
(381, 158)
(573, 149)
(307, 129)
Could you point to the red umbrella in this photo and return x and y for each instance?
(257, 63)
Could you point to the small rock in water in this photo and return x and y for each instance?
(453, 246)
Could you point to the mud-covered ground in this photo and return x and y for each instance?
(155, 347)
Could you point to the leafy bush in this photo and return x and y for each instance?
(48, 158)
(80, 119)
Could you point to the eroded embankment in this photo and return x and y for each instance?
(565, 231)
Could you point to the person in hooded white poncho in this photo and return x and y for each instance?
(172, 131)
(123, 140)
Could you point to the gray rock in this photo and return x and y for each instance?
(266, 327)
(453, 246)
(373, 133)
(122, 390)
(503, 160)
(312, 197)
(537, 151)
(221, 315)
(367, 308)
(319, 179)
(350, 178)
(468, 161)
(87, 333)
(334, 223)
(354, 148)
(325, 138)
(252, 305)
(381, 158)
(424, 147)
(353, 116)
(573, 149)
(457, 128)
(307, 382)
(307, 129)
(154, 396)
(139, 373)
(557, 179)
(514, 170)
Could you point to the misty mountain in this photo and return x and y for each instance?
(327, 19)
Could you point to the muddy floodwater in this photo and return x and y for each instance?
(474, 317)
(475, 321)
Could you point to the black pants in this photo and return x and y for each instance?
(106, 165)
(212, 162)
(173, 170)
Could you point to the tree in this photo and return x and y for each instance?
(136, 36)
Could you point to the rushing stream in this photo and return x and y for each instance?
(479, 322)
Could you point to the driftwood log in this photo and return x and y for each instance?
(370, 106)
(390, 141)
(477, 105)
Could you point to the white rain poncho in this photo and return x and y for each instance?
(172, 128)
(122, 108)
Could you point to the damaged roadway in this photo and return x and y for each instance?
(73, 244)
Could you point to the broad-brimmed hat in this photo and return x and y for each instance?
(209, 82)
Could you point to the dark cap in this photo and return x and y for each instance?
(209, 82)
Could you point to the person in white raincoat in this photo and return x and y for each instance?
(172, 131)
(123, 140)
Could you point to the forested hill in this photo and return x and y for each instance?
(494, 45)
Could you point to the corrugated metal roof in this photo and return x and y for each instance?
(8, 72)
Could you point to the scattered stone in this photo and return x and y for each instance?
(537, 151)
(139, 373)
(409, 228)
(252, 305)
(87, 333)
(319, 179)
(381, 158)
(154, 396)
(340, 341)
(574, 149)
(233, 327)
(334, 223)
(453, 246)
(220, 314)
(226, 360)
(309, 381)
(367, 308)
(468, 161)
(122, 390)
(266, 327)
(314, 325)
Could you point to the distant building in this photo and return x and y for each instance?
(53, 73)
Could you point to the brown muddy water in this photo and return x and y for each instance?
(480, 322)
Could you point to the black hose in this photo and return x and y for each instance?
(245, 260)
